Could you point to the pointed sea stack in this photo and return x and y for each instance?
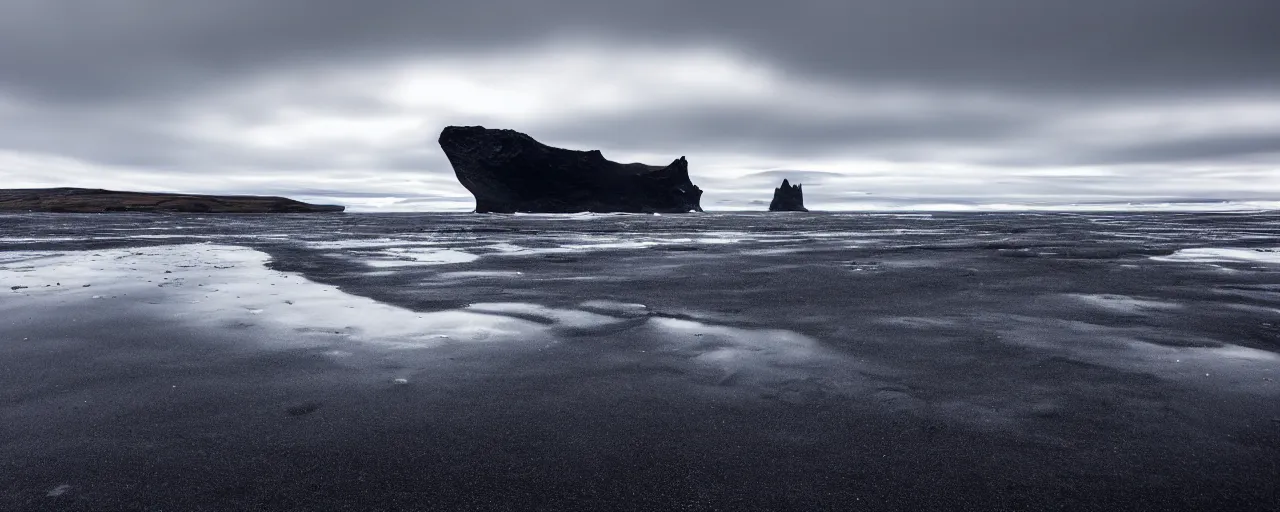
(788, 198)
(508, 171)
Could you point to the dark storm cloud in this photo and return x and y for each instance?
(800, 176)
(158, 135)
(143, 135)
(1017, 137)
(781, 133)
(81, 50)
(1207, 149)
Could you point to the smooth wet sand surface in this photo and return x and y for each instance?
(715, 362)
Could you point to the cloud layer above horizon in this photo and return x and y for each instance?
(871, 104)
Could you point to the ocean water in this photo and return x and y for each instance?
(717, 361)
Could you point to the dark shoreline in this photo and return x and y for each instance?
(80, 200)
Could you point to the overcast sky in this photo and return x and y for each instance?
(868, 103)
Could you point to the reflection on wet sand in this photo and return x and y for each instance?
(1076, 361)
(219, 286)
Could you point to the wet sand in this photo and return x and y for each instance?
(718, 362)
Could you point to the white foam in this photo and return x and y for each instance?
(587, 215)
(587, 244)
(621, 244)
(402, 257)
(1124, 303)
(609, 305)
(166, 237)
(369, 243)
(1223, 255)
(479, 274)
(728, 237)
(504, 248)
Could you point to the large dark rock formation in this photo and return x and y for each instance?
(788, 198)
(507, 171)
(83, 200)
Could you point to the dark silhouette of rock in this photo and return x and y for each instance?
(83, 200)
(508, 171)
(788, 198)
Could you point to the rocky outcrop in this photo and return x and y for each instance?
(508, 171)
(83, 200)
(788, 198)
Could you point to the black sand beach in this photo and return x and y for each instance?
(801, 361)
